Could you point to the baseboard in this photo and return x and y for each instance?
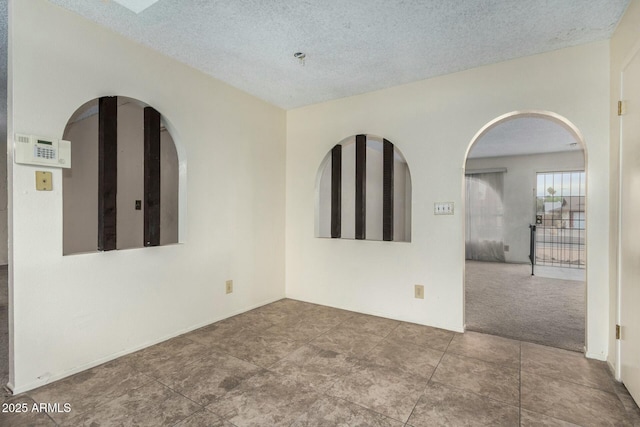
(56, 377)
(378, 313)
(596, 356)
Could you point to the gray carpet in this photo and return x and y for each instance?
(504, 299)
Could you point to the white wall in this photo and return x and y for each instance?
(624, 42)
(433, 122)
(69, 313)
(519, 199)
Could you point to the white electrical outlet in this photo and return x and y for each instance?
(443, 208)
(419, 291)
(229, 286)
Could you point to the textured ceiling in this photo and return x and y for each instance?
(525, 135)
(352, 46)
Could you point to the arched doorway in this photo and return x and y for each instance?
(523, 169)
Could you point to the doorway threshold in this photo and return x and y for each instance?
(563, 273)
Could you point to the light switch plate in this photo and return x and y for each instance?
(43, 181)
(443, 208)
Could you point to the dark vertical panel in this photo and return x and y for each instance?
(336, 191)
(361, 186)
(107, 171)
(387, 191)
(151, 177)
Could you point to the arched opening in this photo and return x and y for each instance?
(526, 171)
(131, 179)
(363, 191)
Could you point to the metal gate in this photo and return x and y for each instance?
(560, 219)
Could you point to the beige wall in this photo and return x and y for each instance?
(433, 122)
(624, 42)
(80, 183)
(519, 199)
(69, 313)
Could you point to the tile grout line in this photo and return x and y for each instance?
(48, 415)
(186, 397)
(493, 399)
(308, 342)
(554, 417)
(514, 338)
(417, 401)
(572, 382)
(170, 388)
(437, 364)
(303, 343)
(270, 366)
(363, 407)
(196, 412)
(484, 361)
(429, 381)
(144, 383)
(385, 336)
(202, 407)
(561, 417)
(326, 390)
(327, 331)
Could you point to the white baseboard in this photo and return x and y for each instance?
(58, 376)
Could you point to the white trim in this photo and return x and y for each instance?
(596, 356)
(618, 316)
(562, 121)
(618, 345)
(489, 170)
(384, 314)
(632, 54)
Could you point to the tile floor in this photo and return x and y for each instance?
(292, 363)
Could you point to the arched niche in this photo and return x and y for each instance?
(80, 183)
(329, 194)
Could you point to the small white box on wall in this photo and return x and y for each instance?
(42, 151)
